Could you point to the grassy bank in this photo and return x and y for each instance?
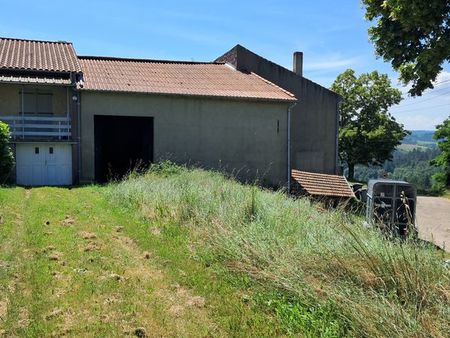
(317, 272)
(189, 253)
(73, 264)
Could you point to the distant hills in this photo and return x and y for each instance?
(419, 139)
(410, 162)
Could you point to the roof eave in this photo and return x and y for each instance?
(236, 98)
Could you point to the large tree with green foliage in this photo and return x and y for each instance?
(6, 156)
(442, 134)
(414, 35)
(368, 134)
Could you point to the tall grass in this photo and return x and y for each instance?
(346, 279)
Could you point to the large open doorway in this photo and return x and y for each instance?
(121, 144)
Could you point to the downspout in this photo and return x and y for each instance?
(78, 83)
(338, 117)
(67, 103)
(22, 102)
(79, 134)
(291, 106)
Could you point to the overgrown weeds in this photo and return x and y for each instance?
(304, 258)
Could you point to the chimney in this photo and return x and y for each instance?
(298, 63)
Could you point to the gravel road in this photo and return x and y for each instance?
(433, 220)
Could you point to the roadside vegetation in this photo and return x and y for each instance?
(186, 252)
(318, 272)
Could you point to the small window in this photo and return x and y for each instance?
(36, 103)
(36, 150)
(44, 104)
(50, 150)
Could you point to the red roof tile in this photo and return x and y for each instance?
(320, 184)
(18, 54)
(179, 78)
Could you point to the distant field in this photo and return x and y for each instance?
(427, 143)
(410, 147)
(418, 136)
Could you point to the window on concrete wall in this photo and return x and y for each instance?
(35, 103)
(44, 103)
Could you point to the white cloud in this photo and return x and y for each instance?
(331, 63)
(426, 111)
(421, 121)
(444, 76)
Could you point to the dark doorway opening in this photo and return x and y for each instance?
(122, 143)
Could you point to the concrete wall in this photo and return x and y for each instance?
(10, 98)
(240, 137)
(314, 118)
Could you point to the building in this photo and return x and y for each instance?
(315, 117)
(81, 118)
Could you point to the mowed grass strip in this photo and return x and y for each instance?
(75, 264)
(14, 299)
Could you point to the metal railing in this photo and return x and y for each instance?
(38, 127)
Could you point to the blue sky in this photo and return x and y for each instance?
(332, 34)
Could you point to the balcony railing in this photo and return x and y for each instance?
(38, 127)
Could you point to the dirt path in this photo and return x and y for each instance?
(433, 220)
(68, 268)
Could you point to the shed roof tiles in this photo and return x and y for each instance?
(179, 78)
(322, 184)
(19, 54)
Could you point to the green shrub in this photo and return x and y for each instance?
(6, 155)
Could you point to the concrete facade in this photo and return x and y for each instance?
(245, 138)
(315, 118)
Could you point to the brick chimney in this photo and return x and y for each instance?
(298, 63)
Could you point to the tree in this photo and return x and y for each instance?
(6, 156)
(368, 134)
(413, 35)
(442, 135)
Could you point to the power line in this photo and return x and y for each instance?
(425, 99)
(425, 108)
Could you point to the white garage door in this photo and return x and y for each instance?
(44, 164)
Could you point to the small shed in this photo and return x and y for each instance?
(320, 186)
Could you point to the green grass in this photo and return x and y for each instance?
(320, 273)
(180, 252)
(55, 282)
(447, 194)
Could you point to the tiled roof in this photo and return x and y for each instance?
(18, 54)
(321, 184)
(179, 78)
(34, 79)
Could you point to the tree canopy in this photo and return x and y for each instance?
(413, 35)
(368, 134)
(442, 134)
